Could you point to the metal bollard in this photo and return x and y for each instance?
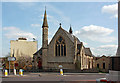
(20, 72)
(6, 72)
(61, 71)
(14, 71)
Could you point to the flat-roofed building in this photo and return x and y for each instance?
(23, 50)
(22, 47)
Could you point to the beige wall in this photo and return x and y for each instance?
(86, 61)
(102, 60)
(23, 48)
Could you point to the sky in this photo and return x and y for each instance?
(94, 23)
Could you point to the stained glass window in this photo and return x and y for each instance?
(60, 47)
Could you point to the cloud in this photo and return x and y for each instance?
(60, 15)
(111, 9)
(25, 5)
(105, 50)
(35, 25)
(85, 44)
(108, 46)
(53, 20)
(57, 17)
(95, 33)
(14, 32)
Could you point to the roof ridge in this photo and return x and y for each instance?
(72, 36)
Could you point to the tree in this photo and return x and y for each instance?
(5, 61)
(24, 62)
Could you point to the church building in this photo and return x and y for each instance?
(64, 49)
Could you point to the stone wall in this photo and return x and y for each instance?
(66, 61)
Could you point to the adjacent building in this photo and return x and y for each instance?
(103, 63)
(23, 50)
(22, 47)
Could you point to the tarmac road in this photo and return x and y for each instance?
(71, 77)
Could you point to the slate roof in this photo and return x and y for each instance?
(38, 52)
(88, 52)
(71, 36)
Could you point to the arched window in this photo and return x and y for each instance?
(60, 47)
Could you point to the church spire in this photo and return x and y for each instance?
(70, 30)
(45, 32)
(45, 24)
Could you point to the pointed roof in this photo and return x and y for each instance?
(70, 30)
(88, 52)
(45, 24)
(71, 37)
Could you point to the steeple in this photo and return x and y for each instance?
(45, 24)
(44, 41)
(45, 31)
(70, 30)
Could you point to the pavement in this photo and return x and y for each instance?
(77, 77)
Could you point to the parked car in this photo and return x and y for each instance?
(103, 80)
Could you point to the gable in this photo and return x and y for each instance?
(62, 33)
(69, 48)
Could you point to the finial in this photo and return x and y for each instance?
(60, 24)
(70, 30)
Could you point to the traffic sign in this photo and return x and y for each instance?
(11, 58)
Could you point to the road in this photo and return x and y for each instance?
(76, 77)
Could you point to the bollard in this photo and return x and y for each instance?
(14, 71)
(61, 71)
(6, 72)
(20, 72)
